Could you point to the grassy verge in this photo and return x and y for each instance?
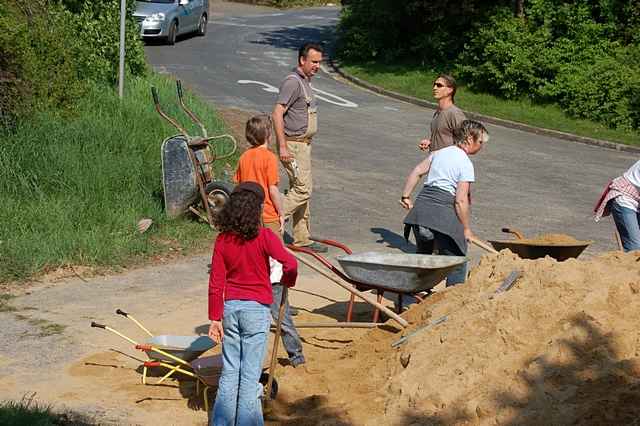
(73, 187)
(417, 81)
(27, 412)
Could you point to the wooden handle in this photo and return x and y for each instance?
(397, 318)
(483, 245)
(274, 353)
(515, 232)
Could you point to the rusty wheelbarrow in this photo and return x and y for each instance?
(398, 273)
(560, 250)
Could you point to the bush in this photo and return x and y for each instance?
(48, 54)
(557, 54)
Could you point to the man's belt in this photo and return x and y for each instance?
(299, 139)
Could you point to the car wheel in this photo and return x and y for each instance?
(202, 26)
(173, 32)
(217, 195)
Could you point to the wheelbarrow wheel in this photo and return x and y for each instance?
(217, 195)
(264, 378)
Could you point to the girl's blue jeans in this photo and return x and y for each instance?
(238, 400)
(627, 221)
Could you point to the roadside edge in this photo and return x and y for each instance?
(335, 67)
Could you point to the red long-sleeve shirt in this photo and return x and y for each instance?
(240, 269)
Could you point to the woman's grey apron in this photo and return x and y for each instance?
(434, 208)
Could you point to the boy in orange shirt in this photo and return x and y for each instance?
(258, 164)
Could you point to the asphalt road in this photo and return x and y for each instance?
(367, 143)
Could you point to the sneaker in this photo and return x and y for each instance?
(318, 248)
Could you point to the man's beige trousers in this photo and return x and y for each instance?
(296, 202)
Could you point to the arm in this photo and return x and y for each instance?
(418, 172)
(278, 123)
(277, 251)
(217, 284)
(462, 207)
(274, 192)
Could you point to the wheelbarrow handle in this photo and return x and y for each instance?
(95, 324)
(121, 312)
(514, 231)
(179, 88)
(154, 93)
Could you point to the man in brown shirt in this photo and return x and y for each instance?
(295, 122)
(446, 118)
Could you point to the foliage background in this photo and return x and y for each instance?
(582, 55)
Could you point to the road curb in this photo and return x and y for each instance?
(335, 67)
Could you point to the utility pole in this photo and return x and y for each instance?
(123, 12)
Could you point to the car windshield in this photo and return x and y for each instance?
(157, 1)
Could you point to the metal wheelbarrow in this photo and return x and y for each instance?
(188, 178)
(399, 273)
(164, 350)
(181, 354)
(527, 249)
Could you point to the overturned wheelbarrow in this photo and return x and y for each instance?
(188, 177)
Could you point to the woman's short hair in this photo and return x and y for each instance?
(258, 129)
(470, 128)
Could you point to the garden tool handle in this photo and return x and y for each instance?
(514, 231)
(179, 88)
(95, 324)
(483, 245)
(121, 312)
(154, 93)
(274, 354)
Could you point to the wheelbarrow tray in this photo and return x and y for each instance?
(399, 272)
(186, 348)
(178, 176)
(559, 252)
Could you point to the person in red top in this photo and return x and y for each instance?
(239, 297)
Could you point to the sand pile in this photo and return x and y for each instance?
(561, 347)
(548, 239)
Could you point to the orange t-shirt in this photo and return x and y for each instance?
(260, 165)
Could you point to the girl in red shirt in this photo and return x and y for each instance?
(239, 298)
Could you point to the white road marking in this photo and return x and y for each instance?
(265, 86)
(328, 97)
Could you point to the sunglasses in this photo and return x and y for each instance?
(439, 85)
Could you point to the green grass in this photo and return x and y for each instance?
(417, 81)
(27, 412)
(74, 186)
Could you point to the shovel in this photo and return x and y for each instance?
(274, 353)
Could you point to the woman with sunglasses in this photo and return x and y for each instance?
(446, 118)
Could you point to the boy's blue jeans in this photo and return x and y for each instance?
(246, 326)
(627, 223)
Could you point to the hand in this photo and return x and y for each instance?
(424, 144)
(406, 203)
(281, 220)
(468, 235)
(215, 331)
(285, 157)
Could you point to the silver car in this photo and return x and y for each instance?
(166, 19)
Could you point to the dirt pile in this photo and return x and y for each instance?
(548, 239)
(561, 347)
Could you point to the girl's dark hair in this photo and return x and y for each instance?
(241, 215)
